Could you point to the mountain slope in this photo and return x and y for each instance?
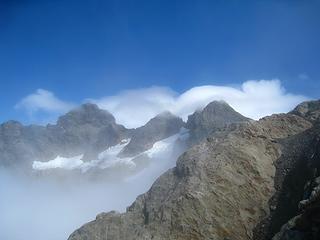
(220, 188)
(299, 203)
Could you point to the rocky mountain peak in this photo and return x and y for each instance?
(85, 130)
(87, 113)
(11, 124)
(217, 105)
(161, 126)
(165, 114)
(162, 117)
(309, 110)
(215, 115)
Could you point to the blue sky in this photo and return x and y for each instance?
(81, 49)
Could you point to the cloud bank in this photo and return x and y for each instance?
(253, 99)
(133, 108)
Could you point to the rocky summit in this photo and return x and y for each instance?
(214, 116)
(244, 180)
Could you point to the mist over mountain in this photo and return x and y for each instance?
(242, 181)
(159, 120)
(86, 156)
(211, 167)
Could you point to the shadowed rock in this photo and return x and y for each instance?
(161, 126)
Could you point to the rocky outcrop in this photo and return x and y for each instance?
(305, 221)
(221, 188)
(293, 170)
(309, 110)
(216, 115)
(161, 126)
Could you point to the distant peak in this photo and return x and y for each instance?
(89, 106)
(221, 109)
(163, 117)
(166, 114)
(215, 115)
(87, 113)
(12, 123)
(218, 104)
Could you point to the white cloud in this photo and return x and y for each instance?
(253, 99)
(43, 101)
(133, 108)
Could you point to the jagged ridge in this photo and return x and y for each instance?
(220, 188)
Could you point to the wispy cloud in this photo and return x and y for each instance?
(43, 101)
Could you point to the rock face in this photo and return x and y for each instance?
(232, 185)
(214, 116)
(162, 126)
(305, 221)
(85, 130)
(19, 144)
(309, 110)
(296, 201)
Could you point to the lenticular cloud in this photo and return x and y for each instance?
(253, 99)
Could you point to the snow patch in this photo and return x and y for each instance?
(59, 162)
(164, 146)
(109, 158)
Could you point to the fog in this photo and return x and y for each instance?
(51, 206)
(44, 206)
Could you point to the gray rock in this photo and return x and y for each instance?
(161, 126)
(86, 130)
(220, 188)
(309, 110)
(216, 115)
(304, 221)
